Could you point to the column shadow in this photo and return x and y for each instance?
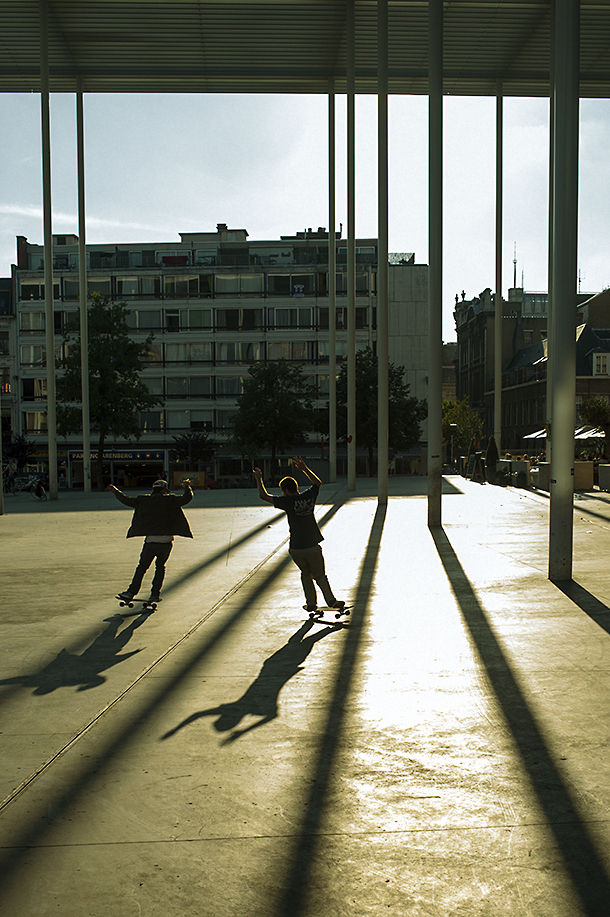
(262, 697)
(293, 901)
(83, 671)
(582, 861)
(587, 602)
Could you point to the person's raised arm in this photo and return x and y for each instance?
(300, 465)
(262, 491)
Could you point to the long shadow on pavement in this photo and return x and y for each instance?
(591, 606)
(582, 862)
(293, 901)
(261, 698)
(40, 822)
(84, 670)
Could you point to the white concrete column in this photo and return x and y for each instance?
(332, 293)
(382, 250)
(351, 246)
(435, 256)
(549, 325)
(48, 249)
(565, 238)
(82, 286)
(498, 298)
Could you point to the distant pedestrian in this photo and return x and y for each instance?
(158, 516)
(305, 536)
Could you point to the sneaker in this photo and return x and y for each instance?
(154, 598)
(125, 595)
(338, 605)
(310, 608)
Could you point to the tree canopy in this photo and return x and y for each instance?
(405, 412)
(275, 410)
(469, 426)
(596, 412)
(116, 390)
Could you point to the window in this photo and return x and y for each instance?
(291, 318)
(153, 355)
(34, 289)
(188, 353)
(172, 320)
(33, 355)
(206, 285)
(150, 421)
(181, 286)
(195, 319)
(229, 385)
(178, 420)
(154, 384)
(201, 386)
(176, 387)
(252, 319)
(205, 256)
(227, 319)
(34, 389)
(150, 286)
(279, 284)
(202, 420)
(71, 288)
(227, 284)
(238, 353)
(304, 283)
(35, 421)
(225, 419)
(4, 343)
(148, 320)
(601, 364)
(99, 285)
(32, 321)
(251, 283)
(127, 286)
(5, 385)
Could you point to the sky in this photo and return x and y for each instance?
(157, 165)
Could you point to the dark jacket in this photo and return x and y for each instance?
(158, 514)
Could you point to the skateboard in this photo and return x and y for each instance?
(322, 609)
(146, 605)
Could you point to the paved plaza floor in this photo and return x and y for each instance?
(447, 752)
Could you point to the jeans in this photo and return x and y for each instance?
(311, 564)
(151, 551)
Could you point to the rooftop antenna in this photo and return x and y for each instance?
(515, 267)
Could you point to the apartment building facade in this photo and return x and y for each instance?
(216, 303)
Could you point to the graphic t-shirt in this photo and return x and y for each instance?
(304, 531)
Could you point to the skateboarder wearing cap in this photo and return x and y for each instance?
(158, 516)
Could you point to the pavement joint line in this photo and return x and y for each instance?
(430, 829)
(68, 745)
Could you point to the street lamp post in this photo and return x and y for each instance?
(453, 428)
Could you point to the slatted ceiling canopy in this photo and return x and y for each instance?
(290, 46)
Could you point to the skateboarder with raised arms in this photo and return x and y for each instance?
(305, 536)
(158, 516)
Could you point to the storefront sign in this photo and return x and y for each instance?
(129, 455)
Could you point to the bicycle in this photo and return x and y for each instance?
(36, 488)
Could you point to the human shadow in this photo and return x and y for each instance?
(262, 697)
(583, 864)
(83, 671)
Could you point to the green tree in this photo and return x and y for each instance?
(194, 446)
(405, 412)
(116, 391)
(275, 410)
(20, 449)
(469, 426)
(596, 412)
